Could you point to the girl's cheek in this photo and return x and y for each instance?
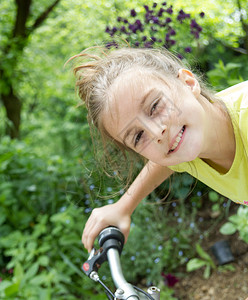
(144, 146)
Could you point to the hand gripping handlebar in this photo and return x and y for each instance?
(111, 242)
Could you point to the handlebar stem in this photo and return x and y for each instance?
(118, 278)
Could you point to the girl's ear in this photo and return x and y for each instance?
(188, 78)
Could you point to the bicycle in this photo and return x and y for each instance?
(111, 241)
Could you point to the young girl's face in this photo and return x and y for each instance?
(162, 121)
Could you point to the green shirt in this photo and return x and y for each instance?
(234, 183)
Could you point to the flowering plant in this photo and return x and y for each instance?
(157, 26)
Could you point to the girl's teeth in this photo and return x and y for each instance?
(178, 139)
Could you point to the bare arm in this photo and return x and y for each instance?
(119, 213)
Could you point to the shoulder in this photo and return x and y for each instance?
(236, 96)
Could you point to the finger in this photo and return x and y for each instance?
(87, 230)
(93, 235)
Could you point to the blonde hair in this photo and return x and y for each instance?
(97, 72)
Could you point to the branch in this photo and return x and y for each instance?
(238, 49)
(42, 17)
(22, 14)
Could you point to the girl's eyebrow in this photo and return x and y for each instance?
(142, 102)
(141, 106)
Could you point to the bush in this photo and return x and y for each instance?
(158, 25)
(41, 225)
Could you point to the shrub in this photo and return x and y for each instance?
(157, 26)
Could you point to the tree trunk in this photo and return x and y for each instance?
(13, 107)
(18, 41)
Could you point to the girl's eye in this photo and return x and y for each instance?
(138, 137)
(153, 108)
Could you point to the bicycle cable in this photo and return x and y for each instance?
(107, 290)
(141, 291)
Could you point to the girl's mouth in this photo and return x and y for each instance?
(177, 140)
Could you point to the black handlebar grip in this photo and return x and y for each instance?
(110, 233)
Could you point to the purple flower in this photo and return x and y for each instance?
(188, 49)
(169, 10)
(182, 16)
(195, 34)
(195, 28)
(125, 21)
(138, 23)
(164, 3)
(167, 37)
(132, 27)
(193, 23)
(146, 7)
(113, 31)
(179, 56)
(136, 44)
(119, 19)
(144, 38)
(202, 14)
(172, 32)
(148, 44)
(154, 5)
(155, 20)
(168, 20)
(160, 12)
(123, 29)
(147, 17)
(133, 13)
(153, 38)
(111, 44)
(169, 279)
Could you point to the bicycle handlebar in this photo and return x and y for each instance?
(111, 241)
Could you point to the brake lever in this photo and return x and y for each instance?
(109, 238)
(94, 261)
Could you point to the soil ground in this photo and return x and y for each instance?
(223, 284)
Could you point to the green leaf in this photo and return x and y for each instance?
(43, 260)
(32, 271)
(12, 289)
(206, 273)
(4, 284)
(203, 254)
(45, 294)
(18, 271)
(70, 264)
(228, 228)
(213, 196)
(234, 219)
(39, 280)
(194, 264)
(2, 218)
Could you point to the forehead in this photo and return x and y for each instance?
(132, 84)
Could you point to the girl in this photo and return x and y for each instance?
(147, 101)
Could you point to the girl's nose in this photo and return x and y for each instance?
(161, 134)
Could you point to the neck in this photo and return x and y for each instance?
(220, 149)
